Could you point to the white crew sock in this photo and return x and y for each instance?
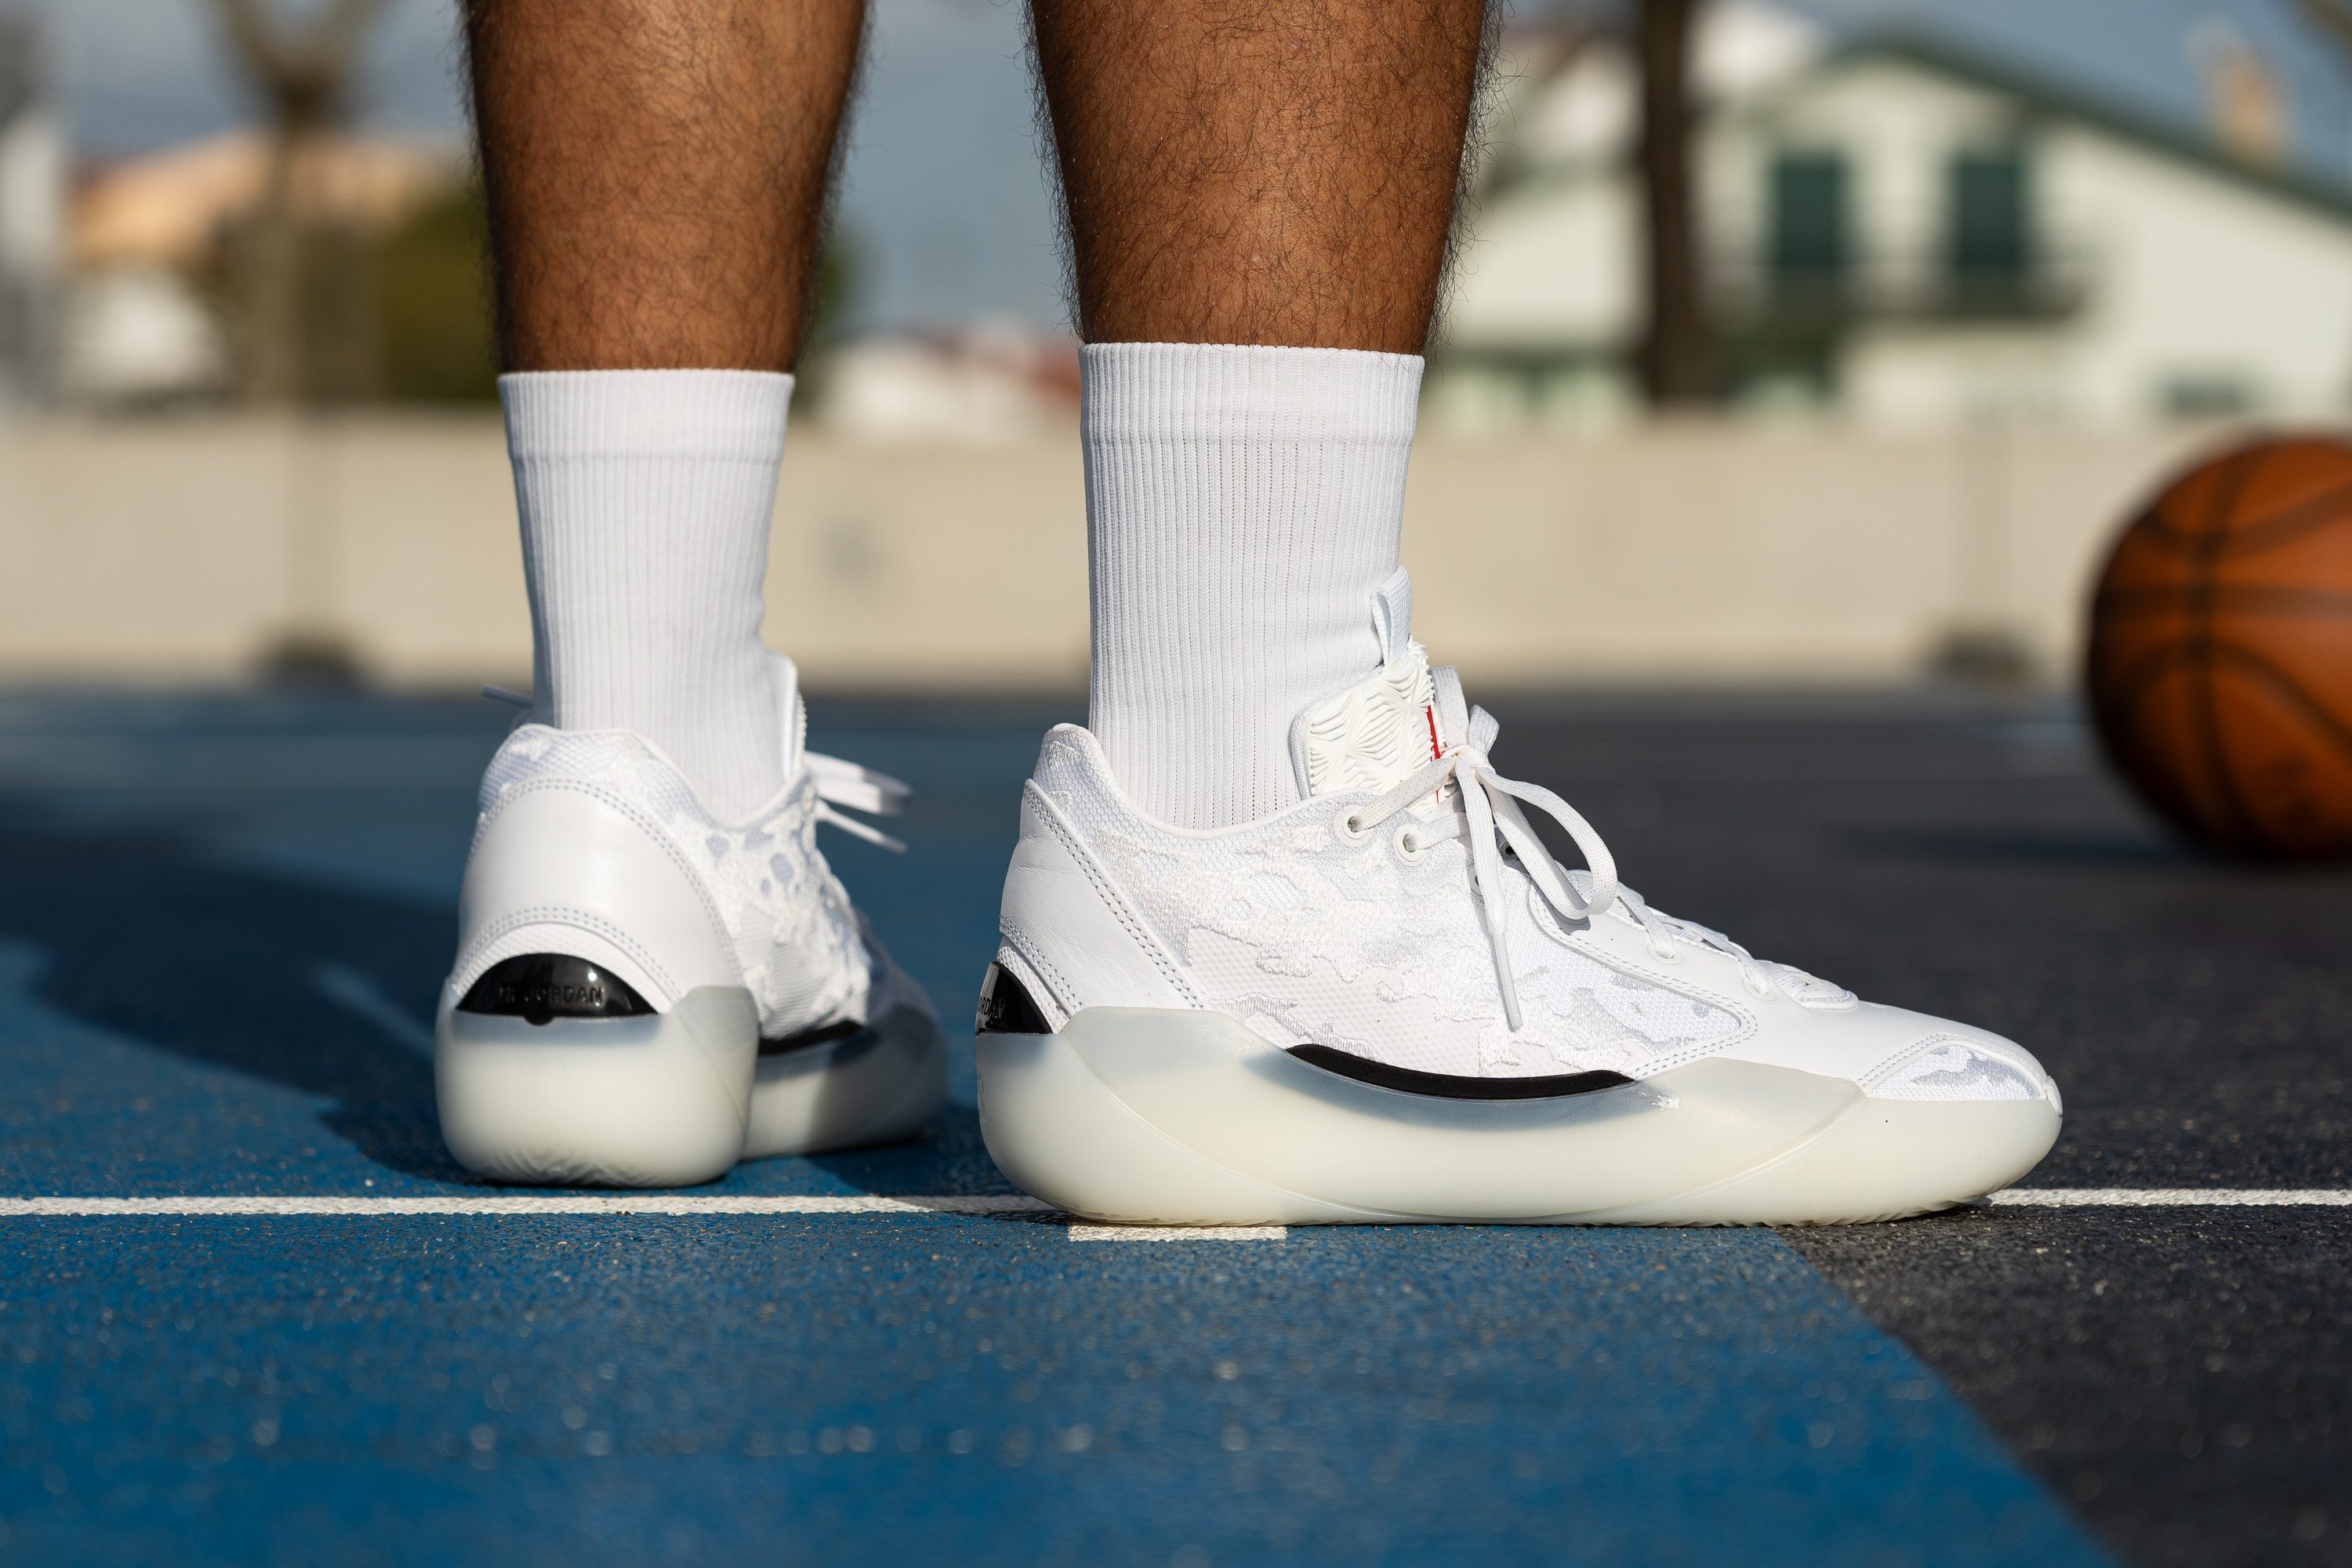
(646, 496)
(1243, 504)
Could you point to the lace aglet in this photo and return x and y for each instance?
(860, 789)
(857, 829)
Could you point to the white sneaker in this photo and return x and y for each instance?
(1388, 1003)
(644, 995)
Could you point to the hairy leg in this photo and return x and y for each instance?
(658, 173)
(1259, 172)
(1259, 195)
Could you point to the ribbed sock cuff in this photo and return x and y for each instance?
(611, 413)
(1214, 392)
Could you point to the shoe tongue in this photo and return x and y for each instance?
(1375, 735)
(1378, 731)
(1384, 729)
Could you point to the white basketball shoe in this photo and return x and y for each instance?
(644, 995)
(1390, 1003)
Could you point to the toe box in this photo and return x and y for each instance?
(1949, 1063)
(1891, 1053)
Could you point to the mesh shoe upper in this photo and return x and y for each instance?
(1311, 939)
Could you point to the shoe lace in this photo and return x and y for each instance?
(838, 783)
(846, 783)
(1487, 815)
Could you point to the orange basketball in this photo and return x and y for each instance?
(2221, 650)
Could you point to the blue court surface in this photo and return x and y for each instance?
(309, 1338)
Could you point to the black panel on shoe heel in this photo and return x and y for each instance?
(1449, 1085)
(1006, 1007)
(804, 1039)
(540, 988)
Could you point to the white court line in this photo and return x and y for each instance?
(529, 1204)
(2172, 1197)
(627, 1204)
(623, 1203)
(1177, 1232)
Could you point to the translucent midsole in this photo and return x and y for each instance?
(1189, 1116)
(885, 1082)
(657, 1101)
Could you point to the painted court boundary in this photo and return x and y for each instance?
(2172, 1197)
(686, 1204)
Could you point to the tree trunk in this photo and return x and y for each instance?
(301, 65)
(1678, 350)
(271, 305)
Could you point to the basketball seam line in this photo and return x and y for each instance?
(2266, 533)
(2133, 603)
(2234, 480)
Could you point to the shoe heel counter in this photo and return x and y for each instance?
(1073, 930)
(563, 866)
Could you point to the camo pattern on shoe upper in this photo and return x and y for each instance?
(1311, 939)
(1946, 1067)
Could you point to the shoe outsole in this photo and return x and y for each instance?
(1150, 1116)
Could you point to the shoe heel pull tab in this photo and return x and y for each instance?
(1393, 614)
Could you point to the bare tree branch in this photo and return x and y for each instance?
(2333, 17)
(304, 70)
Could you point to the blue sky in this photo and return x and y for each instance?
(944, 192)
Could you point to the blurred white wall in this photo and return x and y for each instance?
(177, 550)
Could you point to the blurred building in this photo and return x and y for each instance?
(32, 199)
(1909, 234)
(144, 321)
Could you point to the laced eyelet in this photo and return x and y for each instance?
(1408, 849)
(1349, 831)
(1760, 992)
(1666, 953)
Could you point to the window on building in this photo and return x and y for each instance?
(1810, 243)
(1991, 240)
